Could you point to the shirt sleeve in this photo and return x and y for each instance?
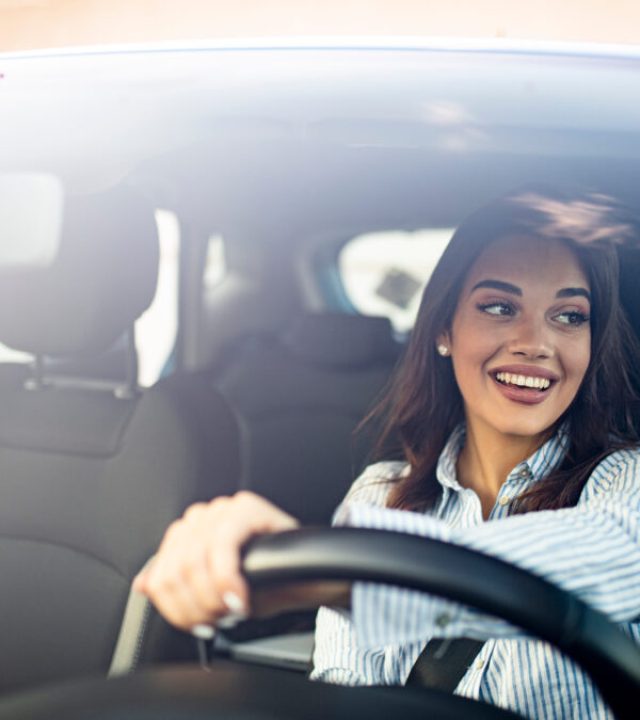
(591, 550)
(337, 657)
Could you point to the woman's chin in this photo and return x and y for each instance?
(526, 427)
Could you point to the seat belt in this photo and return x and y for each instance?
(443, 663)
(132, 632)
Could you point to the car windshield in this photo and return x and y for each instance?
(212, 259)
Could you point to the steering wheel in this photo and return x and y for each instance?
(240, 692)
(611, 659)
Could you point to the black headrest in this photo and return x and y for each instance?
(103, 278)
(337, 339)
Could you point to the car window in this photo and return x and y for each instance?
(383, 273)
(156, 328)
(215, 266)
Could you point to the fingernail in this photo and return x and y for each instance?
(203, 632)
(230, 620)
(235, 604)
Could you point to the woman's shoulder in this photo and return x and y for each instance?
(620, 470)
(375, 482)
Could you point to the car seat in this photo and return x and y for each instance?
(298, 397)
(92, 469)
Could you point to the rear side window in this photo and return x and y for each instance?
(215, 267)
(157, 327)
(384, 273)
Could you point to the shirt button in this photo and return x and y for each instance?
(479, 664)
(504, 500)
(443, 620)
(524, 473)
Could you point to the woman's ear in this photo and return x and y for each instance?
(443, 344)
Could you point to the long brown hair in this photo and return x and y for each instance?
(423, 404)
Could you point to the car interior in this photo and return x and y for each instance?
(107, 466)
(272, 364)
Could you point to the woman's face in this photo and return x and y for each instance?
(520, 340)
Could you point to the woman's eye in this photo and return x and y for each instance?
(497, 308)
(572, 317)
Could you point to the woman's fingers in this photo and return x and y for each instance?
(251, 515)
(176, 575)
(195, 577)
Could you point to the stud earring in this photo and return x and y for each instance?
(443, 350)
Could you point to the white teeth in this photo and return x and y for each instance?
(523, 380)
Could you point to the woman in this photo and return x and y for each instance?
(517, 412)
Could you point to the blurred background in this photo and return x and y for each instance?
(28, 24)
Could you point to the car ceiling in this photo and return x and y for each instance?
(285, 149)
(286, 141)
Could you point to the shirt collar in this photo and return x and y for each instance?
(549, 455)
(539, 464)
(446, 467)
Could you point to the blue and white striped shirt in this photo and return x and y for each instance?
(591, 550)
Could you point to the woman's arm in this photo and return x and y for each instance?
(591, 550)
(195, 577)
(337, 657)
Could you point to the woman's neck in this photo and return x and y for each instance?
(488, 457)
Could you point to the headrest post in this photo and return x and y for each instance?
(36, 381)
(130, 388)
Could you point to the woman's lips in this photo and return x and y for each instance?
(524, 395)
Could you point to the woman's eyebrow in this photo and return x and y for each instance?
(498, 285)
(573, 292)
(515, 290)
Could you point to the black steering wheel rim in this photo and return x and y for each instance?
(234, 690)
(610, 658)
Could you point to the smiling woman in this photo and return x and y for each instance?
(526, 289)
(517, 393)
(283, 155)
(523, 327)
(520, 348)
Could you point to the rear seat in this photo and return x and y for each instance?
(298, 398)
(92, 470)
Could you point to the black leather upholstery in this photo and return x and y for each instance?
(90, 479)
(299, 398)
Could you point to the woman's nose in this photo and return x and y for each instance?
(531, 338)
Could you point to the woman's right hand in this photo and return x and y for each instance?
(195, 579)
